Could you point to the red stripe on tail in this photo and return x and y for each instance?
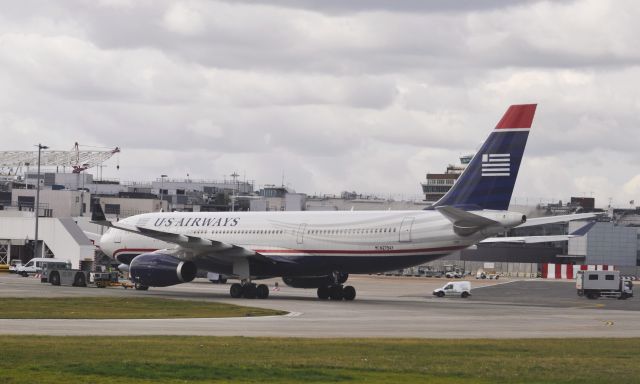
(518, 116)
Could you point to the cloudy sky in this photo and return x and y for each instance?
(361, 95)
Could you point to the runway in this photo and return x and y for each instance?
(385, 307)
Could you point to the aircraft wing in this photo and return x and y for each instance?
(557, 219)
(540, 239)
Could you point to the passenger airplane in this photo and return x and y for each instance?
(319, 249)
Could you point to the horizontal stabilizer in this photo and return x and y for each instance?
(583, 230)
(465, 223)
(541, 239)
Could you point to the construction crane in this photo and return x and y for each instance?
(75, 159)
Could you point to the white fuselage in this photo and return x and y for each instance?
(355, 242)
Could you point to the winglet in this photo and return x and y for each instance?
(583, 230)
(97, 215)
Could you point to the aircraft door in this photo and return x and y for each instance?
(405, 229)
(301, 230)
(117, 235)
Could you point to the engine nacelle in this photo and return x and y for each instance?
(158, 270)
(313, 281)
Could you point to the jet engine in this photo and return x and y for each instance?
(313, 281)
(158, 270)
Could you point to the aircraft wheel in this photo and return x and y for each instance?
(323, 293)
(335, 292)
(262, 292)
(349, 293)
(54, 279)
(235, 290)
(249, 291)
(79, 280)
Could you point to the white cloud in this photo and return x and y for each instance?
(184, 18)
(338, 95)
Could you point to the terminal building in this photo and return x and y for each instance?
(437, 184)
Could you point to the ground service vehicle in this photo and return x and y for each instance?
(48, 266)
(35, 265)
(454, 288)
(594, 284)
(63, 274)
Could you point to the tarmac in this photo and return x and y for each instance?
(385, 306)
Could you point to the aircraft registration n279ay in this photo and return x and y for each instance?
(320, 249)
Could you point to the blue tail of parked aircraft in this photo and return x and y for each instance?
(488, 180)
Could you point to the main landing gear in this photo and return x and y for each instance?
(249, 291)
(337, 292)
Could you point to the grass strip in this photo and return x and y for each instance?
(292, 360)
(121, 308)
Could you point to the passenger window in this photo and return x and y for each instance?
(450, 286)
(593, 277)
(608, 277)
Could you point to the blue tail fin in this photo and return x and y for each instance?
(488, 180)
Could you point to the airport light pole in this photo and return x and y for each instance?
(234, 175)
(37, 207)
(162, 191)
(26, 186)
(84, 175)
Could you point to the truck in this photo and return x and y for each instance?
(61, 274)
(595, 284)
(454, 288)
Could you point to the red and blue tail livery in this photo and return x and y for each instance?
(488, 181)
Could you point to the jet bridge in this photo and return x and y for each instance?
(62, 237)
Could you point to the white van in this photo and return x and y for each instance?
(35, 265)
(454, 288)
